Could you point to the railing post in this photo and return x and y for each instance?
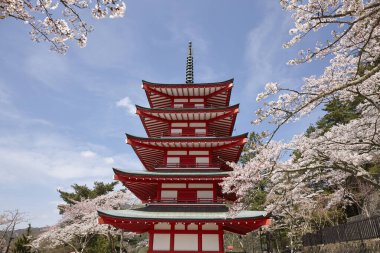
(376, 220)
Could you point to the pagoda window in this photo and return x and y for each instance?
(169, 195)
(173, 161)
(205, 196)
(181, 100)
(200, 131)
(192, 226)
(197, 100)
(176, 131)
(202, 161)
(179, 226)
(162, 226)
(210, 226)
(203, 186)
(198, 152)
(173, 186)
(210, 242)
(177, 152)
(161, 242)
(186, 242)
(197, 124)
(179, 124)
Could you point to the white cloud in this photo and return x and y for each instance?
(43, 158)
(109, 160)
(87, 154)
(127, 103)
(264, 48)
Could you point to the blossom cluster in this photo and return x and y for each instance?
(310, 172)
(59, 21)
(81, 220)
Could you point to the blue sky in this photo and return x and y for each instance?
(60, 120)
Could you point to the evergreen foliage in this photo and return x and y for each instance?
(22, 244)
(82, 192)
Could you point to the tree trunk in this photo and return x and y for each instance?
(11, 237)
(121, 241)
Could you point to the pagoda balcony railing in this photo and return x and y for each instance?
(187, 165)
(191, 105)
(207, 134)
(190, 200)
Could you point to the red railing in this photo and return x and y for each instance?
(190, 200)
(184, 134)
(190, 105)
(188, 165)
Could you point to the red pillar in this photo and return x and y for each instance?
(221, 240)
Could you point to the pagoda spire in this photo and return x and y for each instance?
(189, 65)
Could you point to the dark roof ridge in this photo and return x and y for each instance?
(187, 138)
(187, 84)
(188, 109)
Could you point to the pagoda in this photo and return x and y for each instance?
(189, 128)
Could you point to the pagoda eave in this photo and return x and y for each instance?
(151, 151)
(157, 122)
(139, 221)
(145, 82)
(162, 95)
(169, 175)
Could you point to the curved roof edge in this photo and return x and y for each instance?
(203, 139)
(187, 84)
(193, 216)
(170, 174)
(188, 109)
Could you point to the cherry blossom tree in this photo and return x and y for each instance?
(59, 21)
(8, 222)
(310, 172)
(79, 223)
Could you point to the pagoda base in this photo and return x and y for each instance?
(189, 238)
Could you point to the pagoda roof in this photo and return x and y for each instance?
(157, 121)
(158, 175)
(142, 219)
(216, 94)
(144, 184)
(151, 151)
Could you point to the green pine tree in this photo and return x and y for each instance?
(22, 244)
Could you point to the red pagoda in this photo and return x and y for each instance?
(189, 128)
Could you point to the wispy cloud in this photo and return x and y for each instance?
(264, 53)
(127, 103)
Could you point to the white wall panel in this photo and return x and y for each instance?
(177, 152)
(185, 242)
(162, 226)
(205, 194)
(201, 185)
(202, 160)
(192, 226)
(181, 100)
(197, 100)
(179, 226)
(176, 131)
(198, 152)
(169, 194)
(210, 226)
(197, 124)
(172, 160)
(210, 242)
(179, 124)
(166, 185)
(161, 242)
